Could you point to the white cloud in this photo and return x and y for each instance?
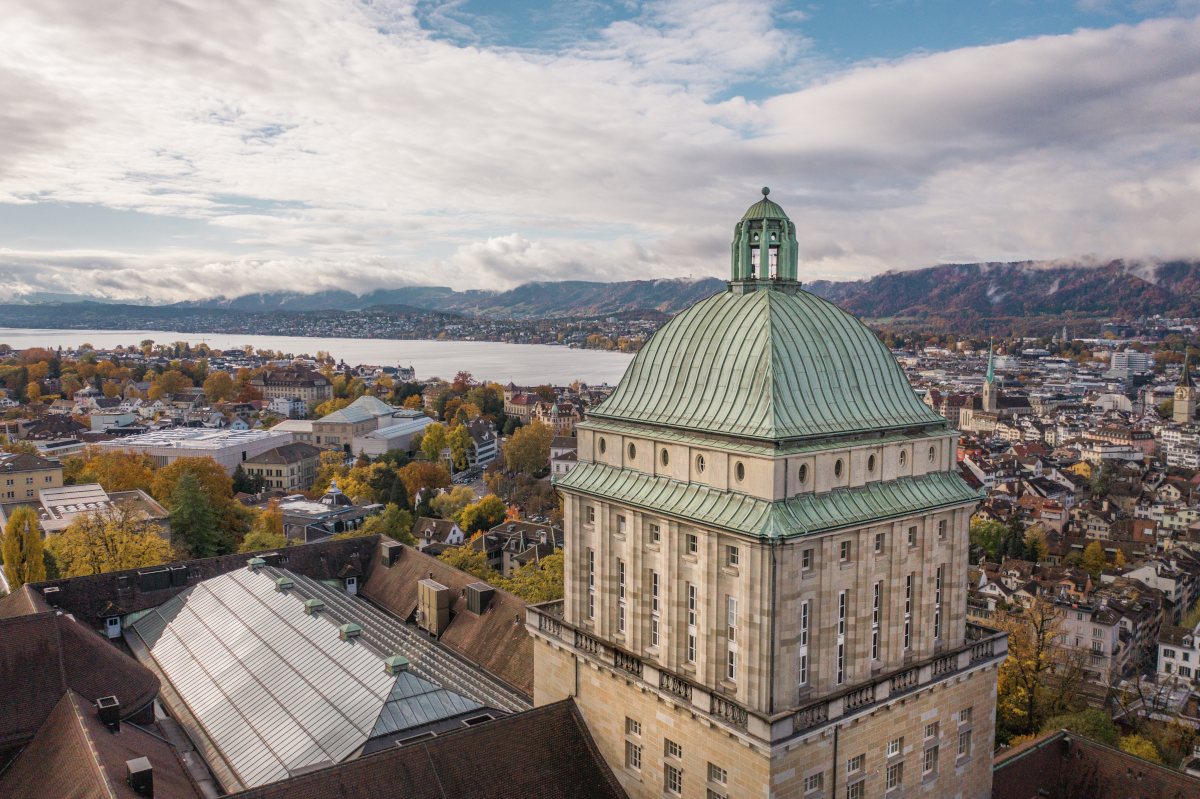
(371, 154)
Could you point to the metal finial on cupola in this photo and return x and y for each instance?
(765, 191)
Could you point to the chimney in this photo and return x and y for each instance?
(395, 664)
(140, 776)
(108, 708)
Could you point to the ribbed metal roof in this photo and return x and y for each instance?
(766, 365)
(764, 209)
(803, 515)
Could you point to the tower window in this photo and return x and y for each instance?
(654, 533)
(903, 457)
(932, 453)
(731, 555)
(603, 446)
(871, 464)
(740, 471)
(837, 468)
(693, 544)
(699, 463)
(806, 559)
(664, 457)
(802, 475)
(632, 452)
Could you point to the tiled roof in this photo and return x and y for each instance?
(288, 453)
(1064, 764)
(801, 515)
(767, 365)
(74, 755)
(44, 655)
(545, 753)
(493, 640)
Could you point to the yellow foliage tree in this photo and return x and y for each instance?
(211, 475)
(219, 387)
(528, 449)
(333, 467)
(451, 504)
(434, 441)
(267, 532)
(1138, 746)
(22, 549)
(414, 403)
(114, 470)
(119, 537)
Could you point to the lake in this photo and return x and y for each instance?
(524, 364)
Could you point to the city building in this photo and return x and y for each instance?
(393, 436)
(62, 506)
(338, 430)
(291, 467)
(24, 476)
(226, 447)
(307, 520)
(288, 407)
(1179, 654)
(294, 382)
(765, 539)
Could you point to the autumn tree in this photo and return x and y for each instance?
(482, 515)
(1093, 559)
(22, 549)
(1040, 678)
(539, 581)
(422, 475)
(219, 387)
(112, 469)
(395, 522)
(118, 537)
(451, 504)
(460, 445)
(1036, 546)
(267, 532)
(210, 475)
(17, 447)
(414, 403)
(528, 450)
(433, 442)
(333, 467)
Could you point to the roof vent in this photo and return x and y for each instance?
(389, 552)
(284, 583)
(108, 708)
(313, 606)
(140, 776)
(348, 631)
(395, 664)
(255, 564)
(479, 595)
(51, 593)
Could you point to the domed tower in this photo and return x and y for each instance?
(764, 246)
(766, 540)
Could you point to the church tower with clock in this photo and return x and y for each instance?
(1185, 396)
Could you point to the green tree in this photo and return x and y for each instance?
(450, 504)
(1036, 545)
(483, 515)
(433, 442)
(22, 549)
(528, 450)
(399, 495)
(460, 445)
(193, 522)
(989, 535)
(394, 522)
(1014, 539)
(1091, 723)
(1093, 559)
(246, 484)
(261, 540)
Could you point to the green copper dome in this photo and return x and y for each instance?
(764, 209)
(766, 364)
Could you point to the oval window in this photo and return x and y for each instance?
(932, 454)
(740, 471)
(632, 452)
(699, 463)
(603, 446)
(903, 457)
(803, 473)
(664, 458)
(871, 464)
(837, 468)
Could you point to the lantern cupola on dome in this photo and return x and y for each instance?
(764, 249)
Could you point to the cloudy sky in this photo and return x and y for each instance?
(186, 149)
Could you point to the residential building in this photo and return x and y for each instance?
(760, 559)
(439, 533)
(1179, 654)
(294, 382)
(564, 454)
(62, 506)
(23, 476)
(291, 467)
(288, 407)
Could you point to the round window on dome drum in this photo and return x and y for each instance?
(740, 471)
(871, 464)
(932, 453)
(699, 464)
(837, 468)
(603, 446)
(903, 457)
(664, 458)
(632, 452)
(803, 474)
